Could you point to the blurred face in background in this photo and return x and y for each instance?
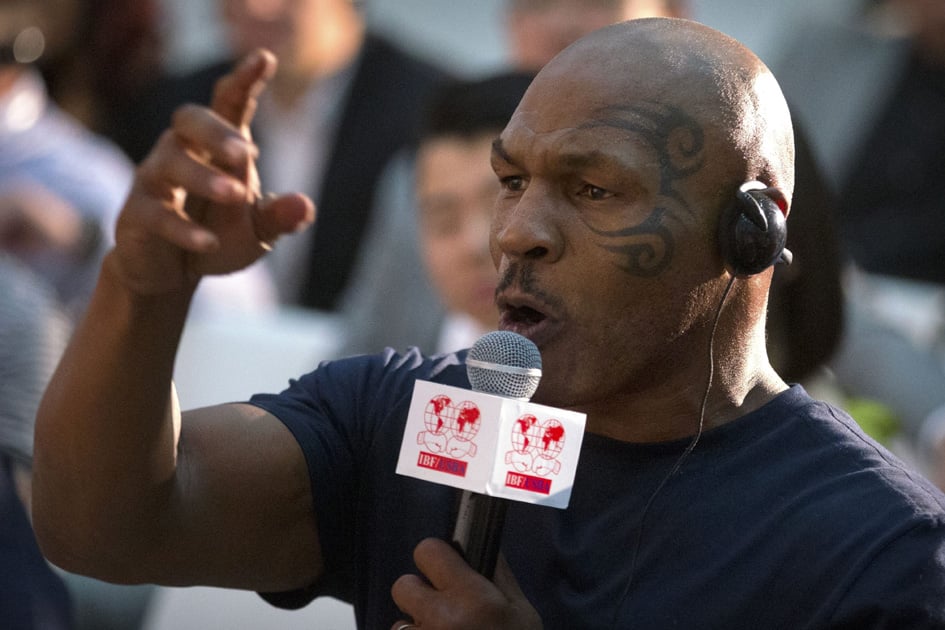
(540, 29)
(926, 20)
(310, 37)
(456, 192)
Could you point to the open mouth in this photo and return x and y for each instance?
(522, 315)
(528, 315)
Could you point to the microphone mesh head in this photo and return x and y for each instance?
(505, 364)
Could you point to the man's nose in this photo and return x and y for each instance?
(529, 229)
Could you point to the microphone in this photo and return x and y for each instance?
(509, 365)
(492, 443)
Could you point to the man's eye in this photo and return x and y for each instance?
(514, 183)
(594, 193)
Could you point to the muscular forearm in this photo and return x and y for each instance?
(105, 447)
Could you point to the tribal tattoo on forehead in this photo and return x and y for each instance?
(646, 249)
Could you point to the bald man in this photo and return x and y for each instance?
(645, 178)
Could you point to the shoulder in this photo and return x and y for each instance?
(811, 463)
(829, 443)
(838, 511)
(899, 583)
(361, 386)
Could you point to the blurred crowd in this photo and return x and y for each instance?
(393, 145)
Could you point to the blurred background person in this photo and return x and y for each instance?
(60, 189)
(342, 103)
(433, 276)
(872, 91)
(33, 334)
(537, 30)
(100, 54)
(870, 86)
(60, 185)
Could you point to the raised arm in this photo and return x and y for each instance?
(125, 488)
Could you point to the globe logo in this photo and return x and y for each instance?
(450, 428)
(536, 445)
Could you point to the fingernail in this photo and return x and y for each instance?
(304, 224)
(236, 150)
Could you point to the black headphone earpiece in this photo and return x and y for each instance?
(752, 232)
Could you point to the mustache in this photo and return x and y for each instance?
(522, 276)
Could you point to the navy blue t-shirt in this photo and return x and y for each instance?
(789, 517)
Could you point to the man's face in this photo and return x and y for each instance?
(456, 190)
(605, 261)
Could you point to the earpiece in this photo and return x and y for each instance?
(752, 232)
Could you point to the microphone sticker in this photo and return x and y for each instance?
(536, 449)
(448, 435)
(491, 444)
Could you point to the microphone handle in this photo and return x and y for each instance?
(478, 530)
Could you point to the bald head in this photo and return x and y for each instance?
(685, 79)
(615, 170)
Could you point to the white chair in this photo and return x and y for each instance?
(205, 608)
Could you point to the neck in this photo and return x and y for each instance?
(696, 396)
(678, 414)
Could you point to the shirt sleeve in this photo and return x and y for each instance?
(348, 417)
(902, 585)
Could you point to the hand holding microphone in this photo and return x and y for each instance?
(492, 443)
(516, 450)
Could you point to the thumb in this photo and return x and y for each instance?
(275, 215)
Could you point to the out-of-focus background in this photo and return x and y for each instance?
(887, 370)
(468, 36)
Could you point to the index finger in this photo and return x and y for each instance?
(234, 96)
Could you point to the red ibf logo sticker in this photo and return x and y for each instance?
(536, 447)
(448, 436)
(501, 447)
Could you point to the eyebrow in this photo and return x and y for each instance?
(499, 149)
(572, 160)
